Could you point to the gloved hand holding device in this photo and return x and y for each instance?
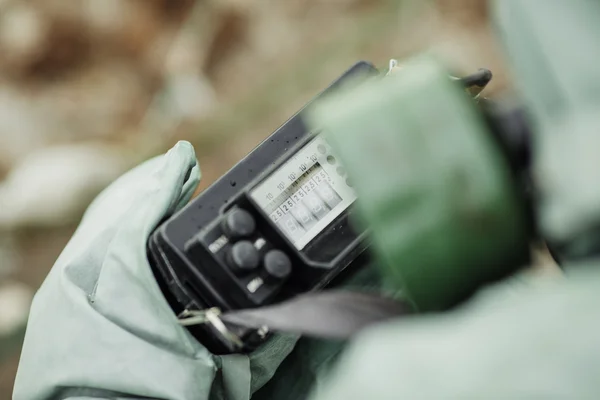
(99, 325)
(444, 212)
(103, 320)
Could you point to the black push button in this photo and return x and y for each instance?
(243, 257)
(238, 224)
(278, 265)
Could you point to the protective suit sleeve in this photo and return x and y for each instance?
(99, 326)
(537, 343)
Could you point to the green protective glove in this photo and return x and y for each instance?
(99, 326)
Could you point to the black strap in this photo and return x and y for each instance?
(334, 314)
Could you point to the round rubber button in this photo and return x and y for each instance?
(278, 265)
(243, 257)
(238, 224)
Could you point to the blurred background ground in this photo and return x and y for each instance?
(89, 88)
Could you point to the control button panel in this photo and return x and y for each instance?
(256, 266)
(243, 257)
(277, 266)
(239, 223)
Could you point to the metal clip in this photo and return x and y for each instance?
(210, 316)
(197, 317)
(473, 84)
(393, 65)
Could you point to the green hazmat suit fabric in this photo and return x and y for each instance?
(99, 326)
(539, 340)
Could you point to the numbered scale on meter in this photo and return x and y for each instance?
(306, 194)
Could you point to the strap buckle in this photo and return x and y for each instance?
(211, 316)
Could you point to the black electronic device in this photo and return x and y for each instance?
(274, 226)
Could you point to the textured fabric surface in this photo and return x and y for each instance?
(99, 325)
(535, 339)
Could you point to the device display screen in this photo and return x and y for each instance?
(306, 194)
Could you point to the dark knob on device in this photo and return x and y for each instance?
(243, 257)
(239, 223)
(277, 265)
